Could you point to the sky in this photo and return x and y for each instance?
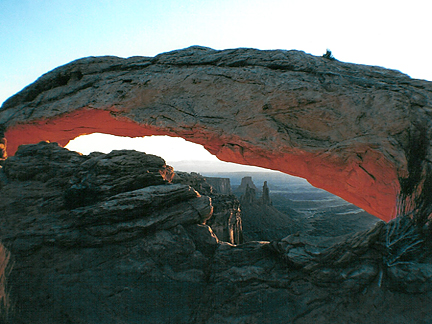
(177, 152)
(36, 36)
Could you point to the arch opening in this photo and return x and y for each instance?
(288, 192)
(179, 153)
(366, 180)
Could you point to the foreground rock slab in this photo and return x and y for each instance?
(346, 128)
(142, 253)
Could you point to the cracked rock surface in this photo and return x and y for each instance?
(140, 251)
(347, 128)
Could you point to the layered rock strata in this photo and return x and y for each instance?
(346, 128)
(226, 221)
(141, 254)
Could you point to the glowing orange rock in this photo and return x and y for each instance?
(344, 127)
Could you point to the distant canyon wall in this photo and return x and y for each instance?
(345, 128)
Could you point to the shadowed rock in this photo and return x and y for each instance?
(145, 255)
(261, 221)
(226, 217)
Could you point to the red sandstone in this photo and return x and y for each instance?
(376, 176)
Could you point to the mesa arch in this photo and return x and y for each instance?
(346, 128)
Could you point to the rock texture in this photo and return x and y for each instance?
(114, 197)
(91, 237)
(141, 253)
(226, 220)
(346, 128)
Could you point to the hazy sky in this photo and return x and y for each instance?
(39, 35)
(176, 151)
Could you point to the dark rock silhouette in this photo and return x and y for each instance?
(142, 252)
(260, 220)
(246, 182)
(265, 197)
(249, 196)
(248, 192)
(328, 55)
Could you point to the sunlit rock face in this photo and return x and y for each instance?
(225, 221)
(346, 128)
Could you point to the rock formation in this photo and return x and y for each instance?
(246, 182)
(225, 221)
(82, 245)
(220, 185)
(195, 180)
(249, 196)
(265, 197)
(346, 128)
(260, 220)
(248, 192)
(3, 154)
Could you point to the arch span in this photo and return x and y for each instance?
(343, 127)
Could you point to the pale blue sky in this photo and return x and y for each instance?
(39, 35)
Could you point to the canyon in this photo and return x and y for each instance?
(124, 238)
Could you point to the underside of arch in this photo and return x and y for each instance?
(343, 127)
(316, 168)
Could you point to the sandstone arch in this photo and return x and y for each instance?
(346, 128)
